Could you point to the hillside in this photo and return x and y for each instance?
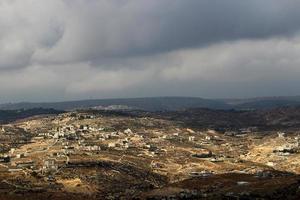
(276, 118)
(11, 115)
(150, 104)
(162, 104)
(263, 102)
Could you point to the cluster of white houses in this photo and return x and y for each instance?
(73, 139)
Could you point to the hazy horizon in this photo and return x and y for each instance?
(149, 97)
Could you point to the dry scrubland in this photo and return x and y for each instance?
(81, 155)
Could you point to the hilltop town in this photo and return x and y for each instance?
(84, 154)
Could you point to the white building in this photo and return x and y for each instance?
(191, 138)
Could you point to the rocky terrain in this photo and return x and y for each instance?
(188, 154)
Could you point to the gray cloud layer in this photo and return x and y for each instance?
(65, 49)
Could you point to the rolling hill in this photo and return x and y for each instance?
(162, 103)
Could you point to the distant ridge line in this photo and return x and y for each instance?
(163, 103)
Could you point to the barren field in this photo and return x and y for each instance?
(80, 155)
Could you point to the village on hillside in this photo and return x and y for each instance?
(91, 155)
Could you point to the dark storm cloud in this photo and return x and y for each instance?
(101, 32)
(97, 31)
(195, 23)
(70, 49)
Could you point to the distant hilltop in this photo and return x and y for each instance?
(161, 103)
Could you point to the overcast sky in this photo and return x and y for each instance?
(54, 50)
